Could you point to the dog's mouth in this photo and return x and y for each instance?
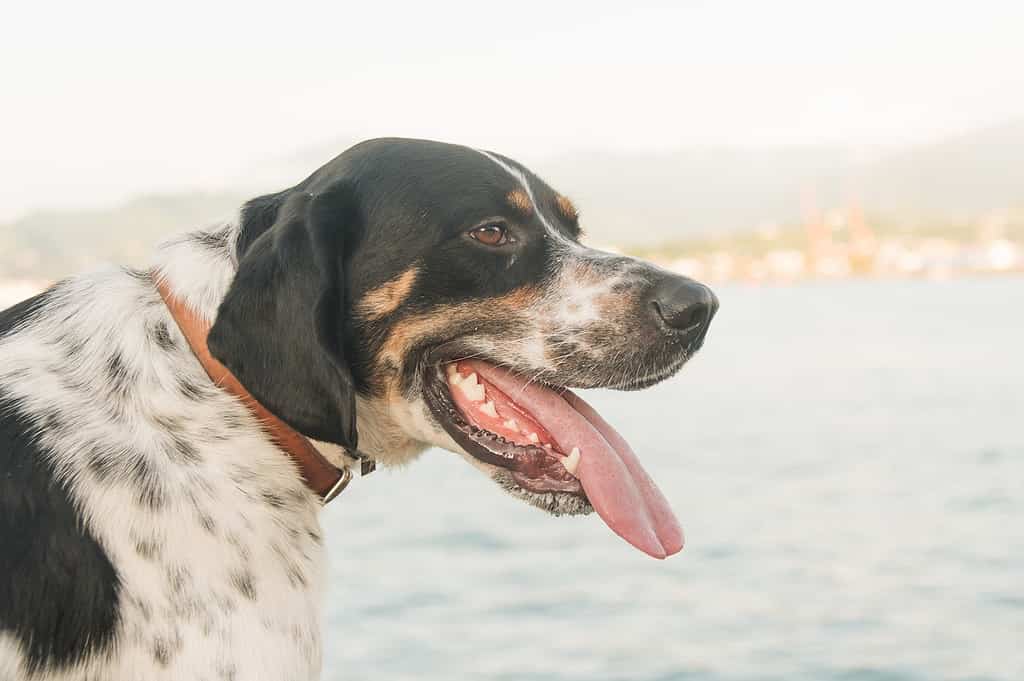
(550, 441)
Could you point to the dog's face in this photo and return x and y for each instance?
(432, 294)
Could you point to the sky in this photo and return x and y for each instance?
(100, 101)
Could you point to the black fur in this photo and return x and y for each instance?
(215, 241)
(161, 335)
(59, 592)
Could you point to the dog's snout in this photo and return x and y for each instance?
(683, 305)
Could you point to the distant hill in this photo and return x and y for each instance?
(649, 198)
(48, 245)
(956, 179)
(634, 198)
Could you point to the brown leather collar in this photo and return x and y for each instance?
(320, 475)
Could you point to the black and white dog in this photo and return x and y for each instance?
(413, 292)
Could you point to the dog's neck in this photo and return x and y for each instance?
(199, 267)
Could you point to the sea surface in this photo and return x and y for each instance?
(847, 460)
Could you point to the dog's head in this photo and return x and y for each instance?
(431, 294)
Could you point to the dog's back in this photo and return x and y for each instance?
(51, 562)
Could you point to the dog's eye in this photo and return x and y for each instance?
(491, 234)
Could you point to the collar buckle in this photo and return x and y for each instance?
(339, 486)
(366, 466)
(366, 463)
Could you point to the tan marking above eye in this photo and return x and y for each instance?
(388, 297)
(520, 201)
(567, 208)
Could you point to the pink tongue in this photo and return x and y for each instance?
(616, 484)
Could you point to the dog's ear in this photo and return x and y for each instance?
(281, 327)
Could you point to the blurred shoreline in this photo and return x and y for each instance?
(932, 260)
(838, 245)
(844, 245)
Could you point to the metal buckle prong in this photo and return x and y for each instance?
(366, 463)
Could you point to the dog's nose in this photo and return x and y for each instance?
(683, 305)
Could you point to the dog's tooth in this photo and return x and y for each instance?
(511, 424)
(572, 461)
(454, 377)
(474, 392)
(547, 446)
(533, 438)
(471, 388)
(488, 408)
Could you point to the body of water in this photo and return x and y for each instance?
(847, 460)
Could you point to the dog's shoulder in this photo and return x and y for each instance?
(58, 598)
(145, 517)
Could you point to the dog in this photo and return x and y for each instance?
(158, 519)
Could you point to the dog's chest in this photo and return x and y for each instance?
(232, 595)
(222, 570)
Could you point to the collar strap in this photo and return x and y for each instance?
(319, 474)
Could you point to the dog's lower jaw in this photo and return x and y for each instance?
(395, 433)
(555, 503)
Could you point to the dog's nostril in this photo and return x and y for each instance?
(684, 318)
(683, 305)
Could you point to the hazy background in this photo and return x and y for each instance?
(662, 119)
(128, 98)
(846, 453)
